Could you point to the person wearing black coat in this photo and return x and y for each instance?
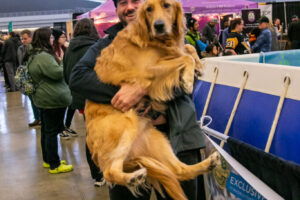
(181, 126)
(85, 35)
(10, 58)
(294, 34)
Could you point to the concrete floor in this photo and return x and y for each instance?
(22, 176)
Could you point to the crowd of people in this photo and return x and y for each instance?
(64, 76)
(233, 40)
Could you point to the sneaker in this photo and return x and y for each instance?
(99, 182)
(35, 123)
(65, 135)
(47, 165)
(71, 132)
(62, 168)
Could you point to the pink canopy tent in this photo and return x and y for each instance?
(216, 6)
(104, 16)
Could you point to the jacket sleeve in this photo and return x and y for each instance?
(290, 32)
(19, 55)
(259, 42)
(84, 80)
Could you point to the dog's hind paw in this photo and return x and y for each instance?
(137, 181)
(215, 159)
(138, 178)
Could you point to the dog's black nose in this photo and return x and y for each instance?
(159, 25)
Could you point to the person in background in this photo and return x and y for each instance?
(294, 33)
(26, 38)
(264, 41)
(184, 133)
(224, 33)
(52, 96)
(277, 27)
(10, 59)
(85, 35)
(209, 30)
(275, 45)
(60, 49)
(59, 43)
(295, 18)
(211, 51)
(236, 42)
(193, 35)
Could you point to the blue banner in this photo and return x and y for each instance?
(241, 189)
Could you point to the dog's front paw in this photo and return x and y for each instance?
(188, 81)
(215, 159)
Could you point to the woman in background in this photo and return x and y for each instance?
(59, 46)
(85, 35)
(52, 96)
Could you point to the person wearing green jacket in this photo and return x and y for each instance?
(52, 96)
(193, 34)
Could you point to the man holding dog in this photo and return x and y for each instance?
(179, 124)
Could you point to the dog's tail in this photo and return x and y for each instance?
(158, 173)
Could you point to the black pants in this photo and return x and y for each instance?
(295, 44)
(70, 114)
(193, 189)
(95, 171)
(10, 68)
(52, 124)
(5, 76)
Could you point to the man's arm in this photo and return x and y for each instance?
(259, 42)
(290, 32)
(84, 81)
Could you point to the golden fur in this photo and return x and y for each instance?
(128, 148)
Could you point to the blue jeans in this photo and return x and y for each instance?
(36, 111)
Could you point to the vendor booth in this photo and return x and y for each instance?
(105, 15)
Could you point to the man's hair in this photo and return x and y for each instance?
(210, 48)
(86, 27)
(26, 31)
(190, 22)
(234, 23)
(116, 2)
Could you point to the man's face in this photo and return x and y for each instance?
(127, 10)
(240, 27)
(263, 25)
(295, 19)
(26, 40)
(196, 26)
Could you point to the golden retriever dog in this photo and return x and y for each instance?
(149, 52)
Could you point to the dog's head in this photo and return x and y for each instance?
(162, 18)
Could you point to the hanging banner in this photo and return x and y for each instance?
(250, 18)
(232, 181)
(266, 10)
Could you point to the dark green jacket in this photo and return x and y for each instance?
(184, 132)
(52, 91)
(76, 50)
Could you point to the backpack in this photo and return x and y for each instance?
(199, 45)
(24, 81)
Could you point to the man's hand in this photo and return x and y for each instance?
(159, 121)
(128, 96)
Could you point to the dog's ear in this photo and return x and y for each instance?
(142, 29)
(179, 23)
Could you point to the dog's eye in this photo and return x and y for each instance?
(167, 5)
(149, 9)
